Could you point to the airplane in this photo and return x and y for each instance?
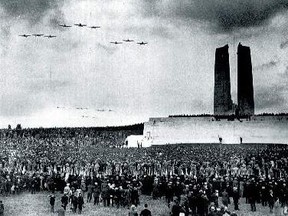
(128, 40)
(24, 35)
(80, 25)
(142, 43)
(37, 35)
(116, 42)
(94, 27)
(65, 26)
(50, 36)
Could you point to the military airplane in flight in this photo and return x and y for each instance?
(65, 26)
(142, 43)
(116, 42)
(80, 25)
(37, 35)
(94, 27)
(128, 40)
(24, 35)
(50, 36)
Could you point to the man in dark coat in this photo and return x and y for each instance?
(214, 198)
(252, 195)
(236, 197)
(74, 202)
(80, 202)
(105, 193)
(52, 202)
(225, 198)
(169, 193)
(175, 207)
(90, 189)
(96, 194)
(64, 201)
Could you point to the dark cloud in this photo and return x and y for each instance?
(269, 97)
(224, 15)
(284, 44)
(31, 10)
(267, 65)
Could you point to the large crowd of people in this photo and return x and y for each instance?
(193, 179)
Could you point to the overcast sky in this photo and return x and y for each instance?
(45, 82)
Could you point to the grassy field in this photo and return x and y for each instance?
(38, 205)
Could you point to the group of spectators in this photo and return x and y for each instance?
(191, 178)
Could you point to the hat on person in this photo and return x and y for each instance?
(133, 207)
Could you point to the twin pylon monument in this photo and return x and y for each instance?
(223, 104)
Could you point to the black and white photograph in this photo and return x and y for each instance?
(144, 107)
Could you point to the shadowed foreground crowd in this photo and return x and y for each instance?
(193, 179)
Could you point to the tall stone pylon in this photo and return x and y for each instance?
(245, 82)
(223, 104)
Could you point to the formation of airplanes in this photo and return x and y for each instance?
(128, 40)
(116, 42)
(50, 36)
(81, 25)
(142, 43)
(38, 35)
(65, 26)
(94, 27)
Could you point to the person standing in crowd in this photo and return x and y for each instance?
(105, 193)
(271, 200)
(96, 194)
(169, 193)
(90, 189)
(133, 211)
(225, 198)
(74, 202)
(236, 197)
(252, 195)
(145, 211)
(80, 202)
(52, 202)
(64, 201)
(277, 207)
(175, 207)
(214, 198)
